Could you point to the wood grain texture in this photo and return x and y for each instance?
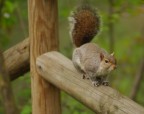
(17, 59)
(59, 70)
(43, 33)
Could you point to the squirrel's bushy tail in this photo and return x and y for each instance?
(84, 24)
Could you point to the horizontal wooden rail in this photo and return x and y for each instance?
(59, 70)
(17, 59)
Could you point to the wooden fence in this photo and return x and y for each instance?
(52, 72)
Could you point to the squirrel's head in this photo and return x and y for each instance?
(108, 62)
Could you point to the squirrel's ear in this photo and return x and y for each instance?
(112, 54)
(101, 56)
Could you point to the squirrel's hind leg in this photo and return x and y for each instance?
(77, 60)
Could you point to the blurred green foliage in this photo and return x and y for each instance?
(129, 45)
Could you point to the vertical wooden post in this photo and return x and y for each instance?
(43, 32)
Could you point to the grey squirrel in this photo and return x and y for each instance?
(91, 60)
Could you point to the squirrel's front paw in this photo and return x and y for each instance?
(105, 83)
(95, 83)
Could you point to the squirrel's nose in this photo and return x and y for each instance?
(114, 66)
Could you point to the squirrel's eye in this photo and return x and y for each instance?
(106, 61)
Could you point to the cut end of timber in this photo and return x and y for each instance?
(59, 70)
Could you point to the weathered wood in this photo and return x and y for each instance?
(17, 59)
(43, 33)
(59, 70)
(7, 96)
